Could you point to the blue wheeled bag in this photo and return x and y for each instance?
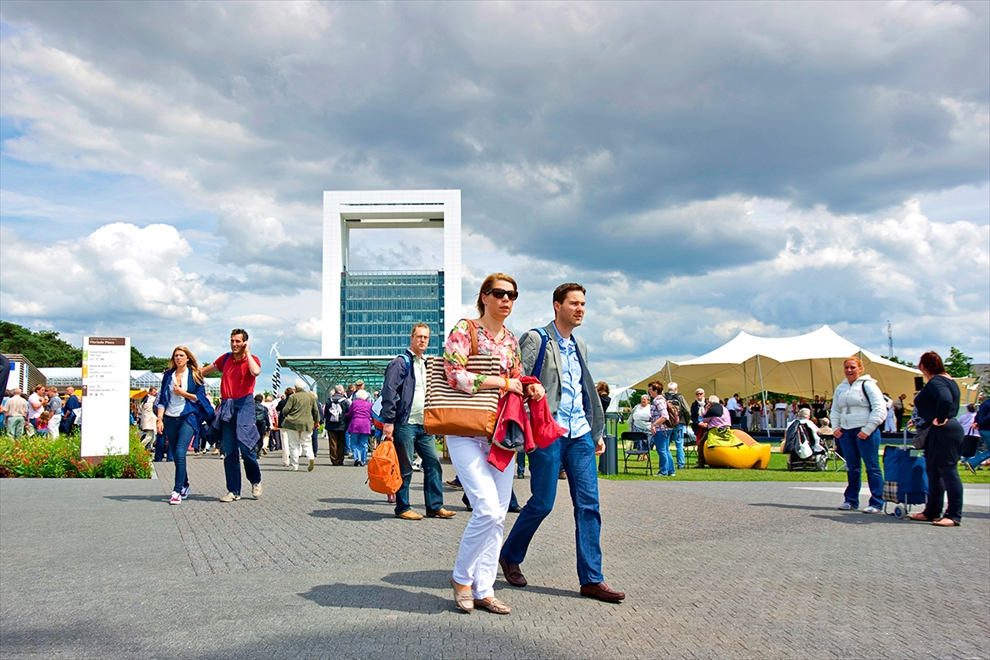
(905, 479)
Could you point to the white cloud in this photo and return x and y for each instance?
(119, 269)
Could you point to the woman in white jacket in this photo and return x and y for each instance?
(858, 410)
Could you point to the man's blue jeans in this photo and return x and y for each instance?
(409, 438)
(855, 450)
(678, 437)
(977, 460)
(180, 431)
(230, 448)
(577, 456)
(661, 441)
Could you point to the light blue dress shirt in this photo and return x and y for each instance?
(570, 412)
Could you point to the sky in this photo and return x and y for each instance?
(701, 168)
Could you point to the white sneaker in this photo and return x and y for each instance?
(294, 468)
(846, 506)
(230, 497)
(872, 509)
(175, 499)
(256, 490)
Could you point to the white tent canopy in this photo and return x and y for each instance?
(801, 366)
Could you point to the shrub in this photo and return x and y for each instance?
(42, 456)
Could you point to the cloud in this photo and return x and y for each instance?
(117, 270)
(701, 167)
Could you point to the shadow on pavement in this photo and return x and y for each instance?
(356, 515)
(345, 500)
(140, 498)
(373, 596)
(425, 579)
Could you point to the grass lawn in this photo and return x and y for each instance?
(777, 471)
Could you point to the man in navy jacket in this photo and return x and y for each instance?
(403, 400)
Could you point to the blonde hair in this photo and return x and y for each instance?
(853, 358)
(192, 365)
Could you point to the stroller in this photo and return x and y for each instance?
(803, 447)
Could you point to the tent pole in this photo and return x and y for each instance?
(759, 368)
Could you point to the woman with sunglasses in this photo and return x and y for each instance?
(487, 489)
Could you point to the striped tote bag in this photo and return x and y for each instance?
(453, 412)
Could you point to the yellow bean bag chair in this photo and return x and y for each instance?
(736, 449)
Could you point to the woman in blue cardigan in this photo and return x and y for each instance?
(182, 406)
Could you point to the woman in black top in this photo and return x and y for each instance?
(937, 404)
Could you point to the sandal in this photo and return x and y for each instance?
(945, 522)
(919, 517)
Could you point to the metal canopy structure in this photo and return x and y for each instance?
(327, 372)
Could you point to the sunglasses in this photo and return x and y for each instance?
(502, 293)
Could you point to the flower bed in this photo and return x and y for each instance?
(41, 456)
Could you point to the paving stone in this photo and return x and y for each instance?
(318, 567)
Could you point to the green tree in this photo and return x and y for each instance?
(42, 348)
(897, 360)
(45, 349)
(958, 364)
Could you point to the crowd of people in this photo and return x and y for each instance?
(546, 368)
(44, 411)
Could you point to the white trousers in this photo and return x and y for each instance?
(299, 442)
(489, 492)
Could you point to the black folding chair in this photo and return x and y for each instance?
(634, 444)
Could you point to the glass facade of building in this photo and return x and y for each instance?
(378, 311)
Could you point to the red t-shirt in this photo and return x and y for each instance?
(236, 381)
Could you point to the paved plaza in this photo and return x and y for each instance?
(319, 568)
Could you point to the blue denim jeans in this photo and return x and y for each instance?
(577, 456)
(977, 460)
(347, 443)
(678, 437)
(409, 438)
(231, 448)
(855, 450)
(661, 441)
(359, 445)
(179, 431)
(163, 449)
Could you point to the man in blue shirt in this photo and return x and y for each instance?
(575, 404)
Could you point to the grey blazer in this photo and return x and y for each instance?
(529, 346)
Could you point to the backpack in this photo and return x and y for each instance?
(673, 414)
(335, 412)
(383, 470)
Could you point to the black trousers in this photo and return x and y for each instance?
(944, 481)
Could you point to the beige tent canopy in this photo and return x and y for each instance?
(801, 366)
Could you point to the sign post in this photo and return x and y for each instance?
(106, 388)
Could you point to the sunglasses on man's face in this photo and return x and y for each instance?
(502, 293)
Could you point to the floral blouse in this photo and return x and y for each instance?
(458, 348)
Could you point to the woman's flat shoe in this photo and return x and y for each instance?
(945, 522)
(918, 516)
(463, 597)
(493, 605)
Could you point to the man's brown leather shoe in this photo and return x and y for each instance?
(441, 513)
(409, 514)
(513, 575)
(601, 592)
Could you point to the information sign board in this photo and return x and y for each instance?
(106, 378)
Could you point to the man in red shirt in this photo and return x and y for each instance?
(235, 416)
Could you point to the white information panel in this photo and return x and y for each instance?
(106, 377)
